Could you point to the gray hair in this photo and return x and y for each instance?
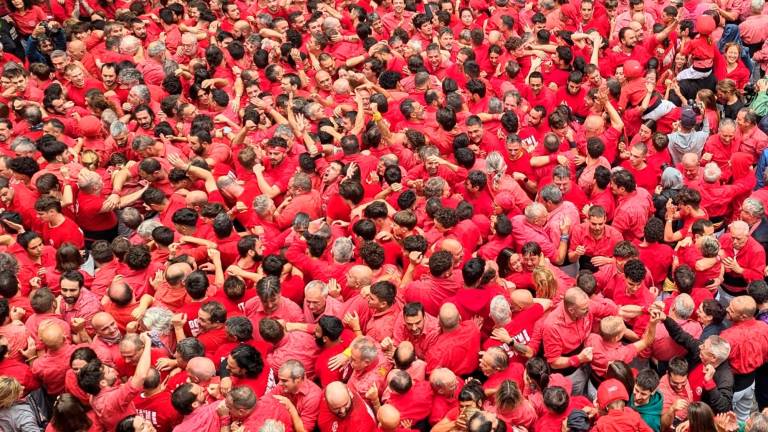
(754, 207)
(684, 306)
(90, 181)
(295, 367)
(434, 187)
(727, 122)
(158, 319)
(552, 194)
(58, 54)
(117, 128)
(367, 348)
(342, 249)
(108, 116)
(284, 131)
(710, 247)
(129, 76)
(141, 91)
(302, 182)
(145, 228)
(495, 106)
(758, 422)
(156, 48)
(495, 163)
(500, 311)
(23, 144)
(712, 172)
(671, 178)
(261, 204)
(142, 142)
(317, 284)
(535, 210)
(757, 6)
(129, 44)
(739, 225)
(561, 172)
(720, 348)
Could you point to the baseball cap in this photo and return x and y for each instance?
(611, 390)
(688, 118)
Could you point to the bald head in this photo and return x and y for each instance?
(743, 307)
(176, 272)
(441, 380)
(51, 335)
(360, 276)
(388, 417)
(594, 123)
(337, 394)
(195, 198)
(449, 316)
(100, 319)
(201, 369)
(451, 245)
(575, 295)
(690, 159)
(520, 299)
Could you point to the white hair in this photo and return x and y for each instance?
(500, 311)
(712, 172)
(317, 284)
(157, 319)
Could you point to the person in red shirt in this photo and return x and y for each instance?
(633, 206)
(743, 258)
(748, 338)
(154, 404)
(57, 228)
(333, 339)
(211, 318)
(304, 394)
(412, 399)
(612, 399)
(592, 241)
(110, 402)
(284, 346)
(456, 345)
(344, 411)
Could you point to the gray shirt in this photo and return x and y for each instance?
(18, 418)
(681, 142)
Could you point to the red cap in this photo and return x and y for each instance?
(705, 25)
(633, 69)
(611, 390)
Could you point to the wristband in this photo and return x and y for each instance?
(347, 352)
(573, 361)
(376, 116)
(564, 237)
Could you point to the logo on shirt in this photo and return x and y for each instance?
(147, 415)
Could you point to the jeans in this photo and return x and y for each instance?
(579, 380)
(743, 401)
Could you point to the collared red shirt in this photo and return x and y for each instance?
(287, 310)
(631, 214)
(749, 345)
(295, 346)
(456, 350)
(307, 401)
(114, 404)
(86, 306)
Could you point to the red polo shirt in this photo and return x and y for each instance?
(456, 350)
(631, 214)
(307, 401)
(415, 404)
(360, 418)
(749, 345)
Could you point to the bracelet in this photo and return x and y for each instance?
(564, 237)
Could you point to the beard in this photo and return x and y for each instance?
(319, 342)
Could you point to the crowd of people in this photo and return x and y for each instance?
(387, 215)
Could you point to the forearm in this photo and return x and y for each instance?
(268, 189)
(142, 367)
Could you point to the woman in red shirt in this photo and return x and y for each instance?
(729, 65)
(69, 414)
(25, 16)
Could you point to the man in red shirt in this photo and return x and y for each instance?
(369, 366)
(456, 346)
(413, 399)
(76, 300)
(592, 241)
(304, 394)
(748, 338)
(292, 345)
(57, 228)
(417, 327)
(111, 403)
(432, 289)
(51, 367)
(300, 197)
(566, 330)
(744, 260)
(344, 411)
(211, 318)
(154, 403)
(633, 206)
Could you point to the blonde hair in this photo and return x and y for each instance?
(545, 283)
(10, 391)
(611, 326)
(90, 159)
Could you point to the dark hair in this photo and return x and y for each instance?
(647, 379)
(69, 414)
(248, 358)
